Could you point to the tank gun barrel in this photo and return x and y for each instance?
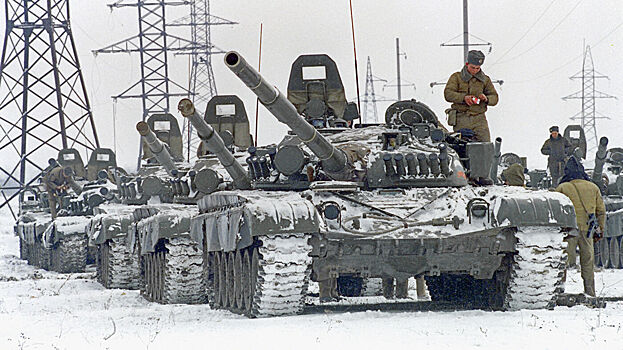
(333, 160)
(156, 146)
(600, 159)
(215, 144)
(496, 159)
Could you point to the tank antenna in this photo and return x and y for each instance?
(352, 25)
(257, 100)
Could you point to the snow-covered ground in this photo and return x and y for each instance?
(46, 310)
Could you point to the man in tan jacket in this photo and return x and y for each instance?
(586, 199)
(57, 181)
(470, 91)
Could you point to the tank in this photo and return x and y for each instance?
(607, 176)
(342, 206)
(61, 244)
(145, 242)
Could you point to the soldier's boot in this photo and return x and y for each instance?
(324, 288)
(402, 288)
(420, 287)
(589, 288)
(328, 290)
(484, 181)
(334, 292)
(388, 288)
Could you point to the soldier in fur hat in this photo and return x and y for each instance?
(471, 91)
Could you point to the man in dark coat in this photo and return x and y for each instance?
(557, 148)
(586, 199)
(471, 91)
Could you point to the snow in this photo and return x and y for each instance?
(47, 310)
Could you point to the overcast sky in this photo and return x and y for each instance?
(537, 46)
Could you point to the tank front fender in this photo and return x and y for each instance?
(540, 209)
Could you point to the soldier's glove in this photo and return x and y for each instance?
(467, 133)
(597, 235)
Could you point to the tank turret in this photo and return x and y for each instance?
(156, 146)
(215, 144)
(334, 161)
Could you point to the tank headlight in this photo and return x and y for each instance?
(479, 208)
(331, 211)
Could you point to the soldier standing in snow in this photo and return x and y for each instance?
(557, 148)
(587, 201)
(470, 91)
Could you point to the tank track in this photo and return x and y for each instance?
(173, 273)
(116, 267)
(269, 278)
(538, 269)
(532, 278)
(70, 254)
(36, 254)
(23, 250)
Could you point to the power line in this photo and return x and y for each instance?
(524, 34)
(571, 60)
(544, 37)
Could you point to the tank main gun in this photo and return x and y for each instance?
(215, 144)
(600, 160)
(156, 146)
(334, 161)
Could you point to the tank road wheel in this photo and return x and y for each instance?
(161, 276)
(614, 252)
(208, 276)
(216, 282)
(147, 278)
(255, 266)
(222, 284)
(248, 282)
(153, 280)
(238, 279)
(157, 296)
(613, 248)
(229, 277)
(151, 274)
(605, 252)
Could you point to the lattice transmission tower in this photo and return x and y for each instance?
(43, 101)
(202, 85)
(153, 43)
(370, 112)
(588, 94)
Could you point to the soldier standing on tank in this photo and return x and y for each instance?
(557, 148)
(586, 199)
(56, 181)
(471, 91)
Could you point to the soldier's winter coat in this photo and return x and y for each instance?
(557, 149)
(463, 83)
(590, 197)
